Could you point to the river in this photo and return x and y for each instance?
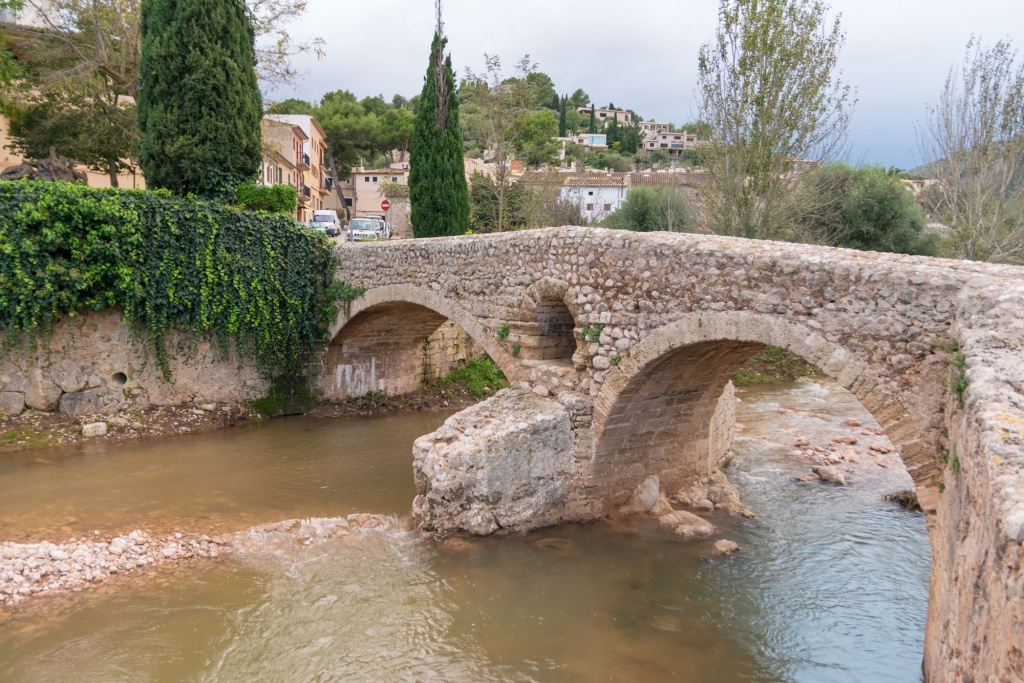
(831, 583)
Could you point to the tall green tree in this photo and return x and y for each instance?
(199, 105)
(437, 177)
(593, 120)
(771, 93)
(563, 127)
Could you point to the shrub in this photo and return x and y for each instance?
(167, 263)
(274, 198)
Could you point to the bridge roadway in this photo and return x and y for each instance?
(645, 330)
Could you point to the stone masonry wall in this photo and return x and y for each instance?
(883, 325)
(90, 366)
(448, 349)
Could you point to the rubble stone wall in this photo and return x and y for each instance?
(89, 365)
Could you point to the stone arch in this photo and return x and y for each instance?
(549, 333)
(653, 412)
(377, 344)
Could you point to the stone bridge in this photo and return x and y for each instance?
(639, 334)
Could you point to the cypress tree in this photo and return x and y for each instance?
(562, 127)
(437, 177)
(199, 104)
(593, 119)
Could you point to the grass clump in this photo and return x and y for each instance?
(480, 376)
(772, 364)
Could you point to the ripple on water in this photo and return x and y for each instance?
(830, 586)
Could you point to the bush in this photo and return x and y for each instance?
(167, 263)
(863, 208)
(647, 209)
(274, 198)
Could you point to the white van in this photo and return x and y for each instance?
(328, 221)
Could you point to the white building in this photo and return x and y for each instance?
(597, 194)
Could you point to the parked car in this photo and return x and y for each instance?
(328, 221)
(360, 229)
(385, 228)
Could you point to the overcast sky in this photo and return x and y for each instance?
(643, 55)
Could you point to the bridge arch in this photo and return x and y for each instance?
(550, 326)
(661, 399)
(378, 343)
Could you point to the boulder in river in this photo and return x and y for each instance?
(502, 465)
(687, 525)
(829, 475)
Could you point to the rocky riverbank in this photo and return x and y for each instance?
(35, 429)
(29, 570)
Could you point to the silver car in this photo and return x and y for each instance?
(361, 230)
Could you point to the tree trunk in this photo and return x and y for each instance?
(336, 181)
(112, 171)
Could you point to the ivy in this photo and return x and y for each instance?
(254, 280)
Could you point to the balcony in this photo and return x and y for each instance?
(305, 191)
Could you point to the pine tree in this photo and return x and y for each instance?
(562, 126)
(437, 178)
(199, 104)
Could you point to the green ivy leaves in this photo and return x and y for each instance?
(256, 282)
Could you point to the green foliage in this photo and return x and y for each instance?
(647, 209)
(368, 401)
(770, 92)
(503, 331)
(437, 178)
(516, 348)
(484, 204)
(960, 381)
(614, 359)
(862, 208)
(534, 133)
(167, 263)
(199, 105)
(273, 198)
(591, 333)
(76, 83)
(772, 364)
(480, 376)
(951, 459)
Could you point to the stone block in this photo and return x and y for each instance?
(502, 465)
(12, 403)
(95, 429)
(81, 403)
(40, 392)
(68, 376)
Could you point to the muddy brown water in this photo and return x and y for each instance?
(831, 584)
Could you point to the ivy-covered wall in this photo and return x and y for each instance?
(254, 282)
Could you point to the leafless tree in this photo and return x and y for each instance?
(974, 140)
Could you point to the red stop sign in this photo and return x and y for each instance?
(385, 205)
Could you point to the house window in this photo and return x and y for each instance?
(602, 115)
(348, 201)
(590, 207)
(366, 179)
(607, 207)
(591, 193)
(374, 178)
(394, 179)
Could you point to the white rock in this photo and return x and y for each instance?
(94, 429)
